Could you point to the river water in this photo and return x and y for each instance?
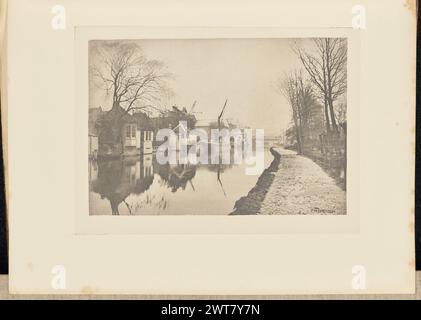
(141, 186)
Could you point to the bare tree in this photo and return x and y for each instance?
(124, 72)
(299, 93)
(326, 66)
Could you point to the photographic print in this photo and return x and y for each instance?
(218, 126)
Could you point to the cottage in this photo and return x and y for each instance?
(209, 125)
(123, 134)
(171, 119)
(94, 115)
(93, 146)
(138, 135)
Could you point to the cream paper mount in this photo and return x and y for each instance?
(93, 209)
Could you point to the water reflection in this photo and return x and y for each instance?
(139, 185)
(115, 180)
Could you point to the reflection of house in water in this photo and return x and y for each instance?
(147, 165)
(93, 170)
(117, 179)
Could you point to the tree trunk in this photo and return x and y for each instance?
(116, 105)
(332, 116)
(327, 117)
(298, 134)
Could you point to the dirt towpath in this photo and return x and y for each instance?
(296, 185)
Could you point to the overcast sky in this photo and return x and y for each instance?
(244, 71)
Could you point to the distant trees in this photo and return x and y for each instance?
(340, 112)
(124, 72)
(315, 92)
(299, 93)
(326, 66)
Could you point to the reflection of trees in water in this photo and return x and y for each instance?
(117, 179)
(176, 176)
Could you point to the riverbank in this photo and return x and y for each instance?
(251, 204)
(293, 185)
